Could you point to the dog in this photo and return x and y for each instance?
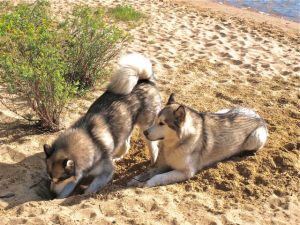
(192, 140)
(87, 148)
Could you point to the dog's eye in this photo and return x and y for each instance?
(161, 124)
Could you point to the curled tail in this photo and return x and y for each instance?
(132, 68)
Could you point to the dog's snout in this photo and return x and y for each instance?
(146, 133)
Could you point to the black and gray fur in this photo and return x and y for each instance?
(192, 140)
(103, 133)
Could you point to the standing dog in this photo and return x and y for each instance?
(103, 133)
(191, 140)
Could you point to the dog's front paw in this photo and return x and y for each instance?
(150, 183)
(133, 183)
(136, 183)
(140, 184)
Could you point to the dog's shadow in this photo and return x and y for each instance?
(23, 181)
(120, 179)
(27, 181)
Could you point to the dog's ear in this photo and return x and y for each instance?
(69, 165)
(48, 150)
(171, 99)
(179, 114)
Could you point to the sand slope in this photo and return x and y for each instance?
(211, 61)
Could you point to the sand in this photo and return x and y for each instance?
(211, 59)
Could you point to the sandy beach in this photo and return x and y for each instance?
(212, 56)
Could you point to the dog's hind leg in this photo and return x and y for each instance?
(256, 139)
(145, 120)
(123, 150)
(153, 149)
(151, 145)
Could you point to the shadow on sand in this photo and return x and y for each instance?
(27, 181)
(16, 131)
(23, 181)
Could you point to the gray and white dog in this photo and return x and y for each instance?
(191, 140)
(103, 133)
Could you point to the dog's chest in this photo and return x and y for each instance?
(177, 158)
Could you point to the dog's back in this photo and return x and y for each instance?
(229, 132)
(131, 98)
(131, 91)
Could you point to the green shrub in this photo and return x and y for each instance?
(125, 13)
(91, 45)
(32, 63)
(46, 63)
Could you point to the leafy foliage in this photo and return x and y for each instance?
(46, 63)
(91, 46)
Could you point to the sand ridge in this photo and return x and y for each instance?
(211, 61)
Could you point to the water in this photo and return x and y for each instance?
(289, 9)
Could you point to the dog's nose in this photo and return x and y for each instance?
(146, 132)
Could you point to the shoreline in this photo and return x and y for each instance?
(282, 23)
(272, 14)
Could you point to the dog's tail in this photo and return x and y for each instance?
(132, 68)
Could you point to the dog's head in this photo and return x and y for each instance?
(168, 123)
(60, 168)
(61, 161)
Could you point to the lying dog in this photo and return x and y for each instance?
(103, 133)
(191, 140)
